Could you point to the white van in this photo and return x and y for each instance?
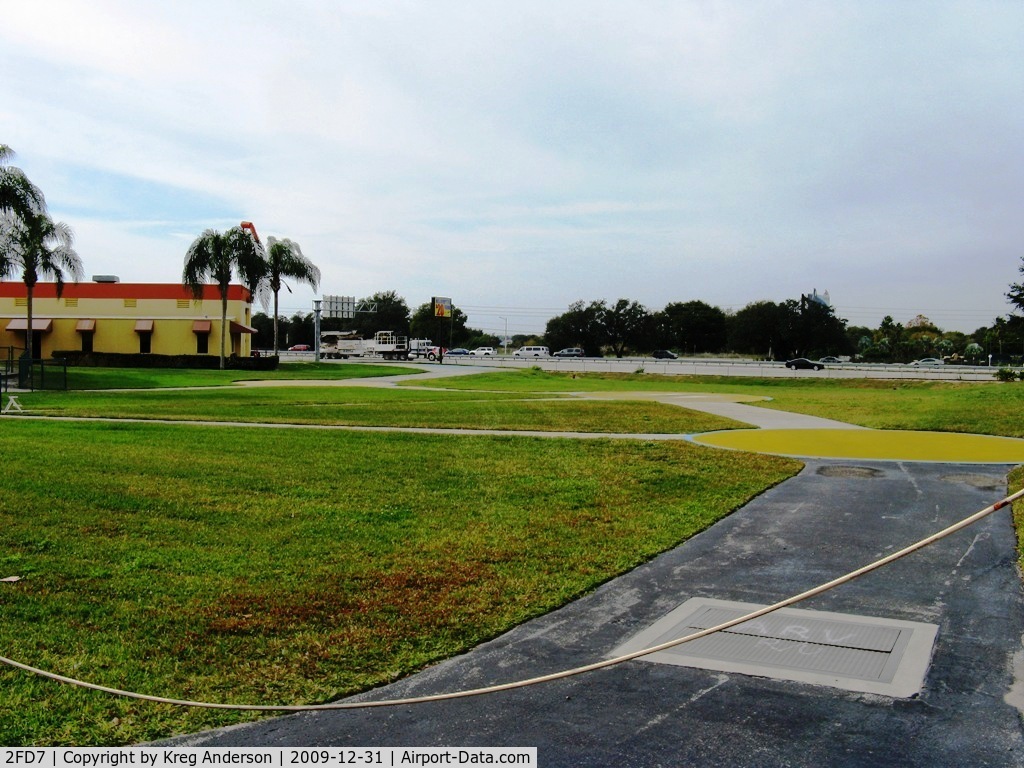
(532, 352)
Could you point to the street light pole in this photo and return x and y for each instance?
(504, 341)
(316, 328)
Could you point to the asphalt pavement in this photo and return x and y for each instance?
(833, 517)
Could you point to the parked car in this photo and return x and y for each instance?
(928, 361)
(456, 351)
(299, 348)
(569, 352)
(531, 352)
(803, 363)
(664, 354)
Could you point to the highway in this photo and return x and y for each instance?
(732, 367)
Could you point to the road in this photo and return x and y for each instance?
(710, 367)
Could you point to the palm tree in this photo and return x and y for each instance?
(215, 257)
(285, 259)
(31, 241)
(17, 193)
(41, 248)
(19, 198)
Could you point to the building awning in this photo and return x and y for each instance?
(202, 326)
(86, 326)
(239, 328)
(38, 324)
(143, 326)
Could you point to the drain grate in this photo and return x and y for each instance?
(856, 653)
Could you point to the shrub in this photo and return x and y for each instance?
(1006, 374)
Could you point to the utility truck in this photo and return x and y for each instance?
(386, 344)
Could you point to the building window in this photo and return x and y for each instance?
(87, 343)
(202, 343)
(145, 343)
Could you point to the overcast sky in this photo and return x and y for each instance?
(518, 156)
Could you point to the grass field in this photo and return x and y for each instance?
(989, 408)
(377, 407)
(297, 565)
(144, 378)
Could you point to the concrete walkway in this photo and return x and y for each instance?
(733, 407)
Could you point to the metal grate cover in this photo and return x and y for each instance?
(856, 653)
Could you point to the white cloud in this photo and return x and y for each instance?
(528, 155)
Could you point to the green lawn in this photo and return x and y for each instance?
(990, 408)
(144, 378)
(286, 566)
(297, 565)
(378, 407)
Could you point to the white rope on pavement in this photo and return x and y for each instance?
(967, 521)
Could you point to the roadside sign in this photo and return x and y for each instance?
(442, 307)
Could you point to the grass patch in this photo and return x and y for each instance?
(296, 566)
(148, 378)
(362, 406)
(987, 408)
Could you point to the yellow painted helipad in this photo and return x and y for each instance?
(885, 445)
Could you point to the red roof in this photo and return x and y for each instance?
(16, 289)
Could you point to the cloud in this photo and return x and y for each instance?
(528, 155)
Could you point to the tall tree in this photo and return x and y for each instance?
(389, 313)
(30, 241)
(215, 258)
(694, 326)
(581, 326)
(17, 194)
(816, 329)
(1016, 293)
(38, 247)
(762, 328)
(445, 332)
(285, 260)
(627, 324)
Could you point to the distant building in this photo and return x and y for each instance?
(110, 316)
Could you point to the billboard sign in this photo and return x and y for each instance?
(442, 307)
(339, 306)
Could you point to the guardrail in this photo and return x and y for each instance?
(727, 367)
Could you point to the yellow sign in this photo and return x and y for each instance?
(442, 307)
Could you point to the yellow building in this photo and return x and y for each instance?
(110, 316)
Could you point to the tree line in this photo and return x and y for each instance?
(803, 327)
(383, 311)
